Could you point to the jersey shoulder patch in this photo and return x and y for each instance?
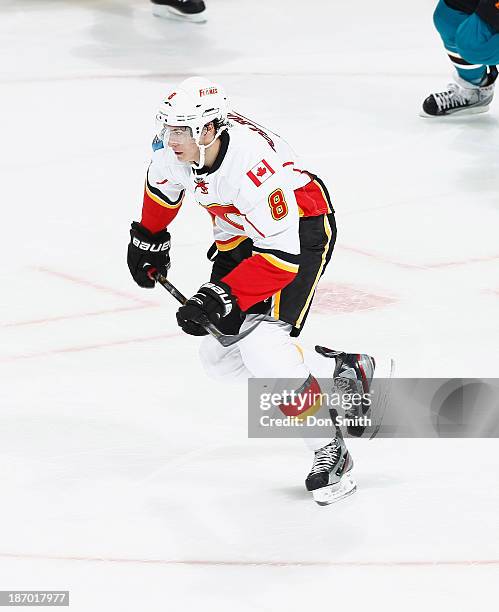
(260, 172)
(252, 159)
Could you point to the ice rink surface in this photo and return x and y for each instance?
(127, 476)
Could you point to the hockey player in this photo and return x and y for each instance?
(274, 231)
(470, 33)
(186, 10)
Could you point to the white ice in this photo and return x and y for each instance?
(127, 476)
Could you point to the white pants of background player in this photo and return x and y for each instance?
(267, 352)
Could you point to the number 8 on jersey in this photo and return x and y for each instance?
(278, 205)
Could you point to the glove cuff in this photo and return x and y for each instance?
(221, 292)
(145, 240)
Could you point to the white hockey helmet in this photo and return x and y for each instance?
(193, 103)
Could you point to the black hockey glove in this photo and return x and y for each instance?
(213, 301)
(147, 249)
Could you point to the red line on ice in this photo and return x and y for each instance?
(380, 257)
(429, 266)
(446, 264)
(93, 313)
(97, 286)
(258, 562)
(88, 347)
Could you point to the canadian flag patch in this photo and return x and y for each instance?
(260, 173)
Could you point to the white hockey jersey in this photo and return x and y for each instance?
(253, 190)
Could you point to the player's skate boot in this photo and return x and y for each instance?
(186, 10)
(329, 479)
(353, 374)
(462, 97)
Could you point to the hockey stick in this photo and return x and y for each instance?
(224, 339)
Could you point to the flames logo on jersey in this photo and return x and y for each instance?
(201, 184)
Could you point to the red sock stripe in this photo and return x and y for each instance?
(307, 401)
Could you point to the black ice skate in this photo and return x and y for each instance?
(461, 98)
(186, 10)
(329, 479)
(353, 373)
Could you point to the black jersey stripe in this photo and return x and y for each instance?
(288, 257)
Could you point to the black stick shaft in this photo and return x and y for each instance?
(162, 280)
(203, 321)
(224, 339)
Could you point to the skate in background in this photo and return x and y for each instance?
(469, 31)
(183, 10)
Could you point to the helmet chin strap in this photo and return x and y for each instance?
(202, 149)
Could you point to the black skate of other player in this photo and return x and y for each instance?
(185, 10)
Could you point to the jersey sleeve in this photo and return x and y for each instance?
(267, 202)
(163, 195)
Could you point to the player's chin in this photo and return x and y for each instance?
(183, 157)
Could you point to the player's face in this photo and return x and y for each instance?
(180, 140)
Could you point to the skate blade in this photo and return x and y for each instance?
(380, 387)
(461, 113)
(168, 12)
(333, 493)
(385, 368)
